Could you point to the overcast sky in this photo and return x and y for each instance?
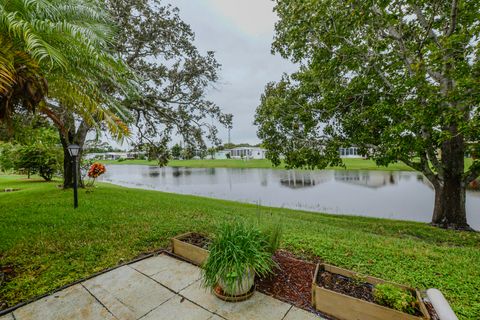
(240, 32)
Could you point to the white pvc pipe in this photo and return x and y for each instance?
(440, 304)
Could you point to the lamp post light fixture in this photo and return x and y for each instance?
(74, 151)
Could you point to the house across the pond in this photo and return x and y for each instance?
(247, 153)
(114, 155)
(351, 152)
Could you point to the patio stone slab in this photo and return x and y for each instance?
(172, 273)
(178, 278)
(259, 306)
(178, 308)
(127, 293)
(72, 303)
(203, 297)
(155, 264)
(8, 316)
(299, 314)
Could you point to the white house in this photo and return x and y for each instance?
(221, 155)
(351, 152)
(247, 153)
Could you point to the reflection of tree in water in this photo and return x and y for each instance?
(178, 172)
(154, 174)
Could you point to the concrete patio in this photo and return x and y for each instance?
(160, 287)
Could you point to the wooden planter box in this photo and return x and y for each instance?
(188, 251)
(344, 307)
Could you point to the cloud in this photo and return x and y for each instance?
(240, 32)
(253, 17)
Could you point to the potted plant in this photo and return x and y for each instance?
(238, 252)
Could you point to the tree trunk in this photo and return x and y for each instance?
(449, 211)
(68, 166)
(438, 212)
(74, 137)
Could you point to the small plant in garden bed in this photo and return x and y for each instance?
(396, 298)
(373, 298)
(238, 252)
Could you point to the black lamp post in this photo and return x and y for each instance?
(74, 151)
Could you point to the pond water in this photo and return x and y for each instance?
(395, 195)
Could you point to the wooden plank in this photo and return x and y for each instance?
(188, 251)
(345, 307)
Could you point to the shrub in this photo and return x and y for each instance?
(8, 154)
(38, 159)
(394, 297)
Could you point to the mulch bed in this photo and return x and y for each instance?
(345, 285)
(198, 240)
(291, 281)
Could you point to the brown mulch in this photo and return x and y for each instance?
(291, 281)
(345, 285)
(198, 240)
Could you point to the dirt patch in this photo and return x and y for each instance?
(291, 281)
(6, 273)
(345, 285)
(198, 240)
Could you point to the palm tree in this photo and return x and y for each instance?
(21, 81)
(58, 58)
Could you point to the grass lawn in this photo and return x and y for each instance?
(50, 244)
(351, 164)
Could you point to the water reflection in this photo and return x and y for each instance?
(395, 195)
(371, 179)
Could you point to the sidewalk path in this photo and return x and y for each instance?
(160, 287)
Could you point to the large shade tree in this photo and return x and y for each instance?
(399, 79)
(175, 77)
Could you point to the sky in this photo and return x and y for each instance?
(240, 32)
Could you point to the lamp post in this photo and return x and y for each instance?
(74, 151)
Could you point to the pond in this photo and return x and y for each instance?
(394, 195)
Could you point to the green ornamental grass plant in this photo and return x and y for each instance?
(237, 250)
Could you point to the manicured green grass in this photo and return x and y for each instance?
(351, 164)
(50, 244)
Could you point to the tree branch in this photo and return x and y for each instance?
(427, 26)
(453, 18)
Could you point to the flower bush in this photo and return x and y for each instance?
(96, 170)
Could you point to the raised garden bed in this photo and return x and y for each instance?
(347, 295)
(192, 247)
